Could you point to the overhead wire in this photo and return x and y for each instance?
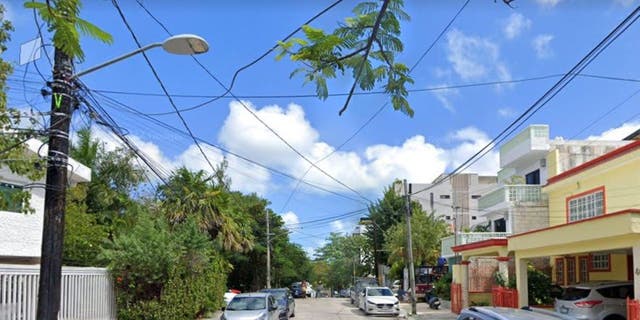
(545, 98)
(269, 128)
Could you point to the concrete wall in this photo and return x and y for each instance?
(529, 217)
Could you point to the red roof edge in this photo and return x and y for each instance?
(480, 244)
(594, 162)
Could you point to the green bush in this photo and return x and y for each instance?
(166, 274)
(540, 286)
(442, 287)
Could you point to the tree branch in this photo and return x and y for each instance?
(384, 55)
(374, 31)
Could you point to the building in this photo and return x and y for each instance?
(21, 234)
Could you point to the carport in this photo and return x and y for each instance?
(614, 235)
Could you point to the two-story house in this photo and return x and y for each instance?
(21, 234)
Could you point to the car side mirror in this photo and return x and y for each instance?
(224, 308)
(274, 308)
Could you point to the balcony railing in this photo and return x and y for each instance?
(511, 194)
(467, 237)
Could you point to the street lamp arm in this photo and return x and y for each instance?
(114, 60)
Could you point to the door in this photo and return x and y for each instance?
(583, 269)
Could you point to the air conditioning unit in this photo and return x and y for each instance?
(543, 163)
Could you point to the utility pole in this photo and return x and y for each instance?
(455, 230)
(62, 104)
(268, 253)
(412, 276)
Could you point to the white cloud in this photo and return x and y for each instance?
(506, 112)
(515, 24)
(445, 96)
(416, 158)
(617, 133)
(624, 3)
(548, 3)
(290, 218)
(471, 141)
(474, 58)
(542, 45)
(337, 226)
(311, 252)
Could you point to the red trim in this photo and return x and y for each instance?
(592, 163)
(503, 259)
(465, 262)
(582, 194)
(604, 216)
(590, 264)
(480, 244)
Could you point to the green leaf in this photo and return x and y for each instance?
(321, 88)
(92, 30)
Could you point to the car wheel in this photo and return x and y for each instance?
(351, 300)
(614, 317)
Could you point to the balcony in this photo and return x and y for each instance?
(505, 195)
(529, 145)
(467, 237)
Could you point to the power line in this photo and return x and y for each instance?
(164, 89)
(176, 130)
(542, 101)
(228, 90)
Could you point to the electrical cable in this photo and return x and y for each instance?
(552, 92)
(228, 90)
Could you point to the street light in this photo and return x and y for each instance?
(179, 44)
(62, 106)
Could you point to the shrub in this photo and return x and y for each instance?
(442, 287)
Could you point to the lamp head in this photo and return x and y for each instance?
(185, 44)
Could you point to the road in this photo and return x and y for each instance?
(341, 309)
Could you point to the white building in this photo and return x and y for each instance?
(21, 234)
(456, 199)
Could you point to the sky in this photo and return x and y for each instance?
(487, 43)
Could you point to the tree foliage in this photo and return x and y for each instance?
(426, 232)
(63, 19)
(344, 257)
(366, 45)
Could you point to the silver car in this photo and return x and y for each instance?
(252, 306)
(596, 300)
(499, 313)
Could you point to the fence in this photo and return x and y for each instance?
(86, 293)
(504, 297)
(633, 309)
(456, 298)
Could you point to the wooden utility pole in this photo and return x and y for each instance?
(268, 253)
(63, 101)
(412, 276)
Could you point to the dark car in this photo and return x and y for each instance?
(296, 290)
(285, 301)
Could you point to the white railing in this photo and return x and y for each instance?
(513, 194)
(467, 237)
(86, 293)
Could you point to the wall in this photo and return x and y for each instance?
(529, 217)
(21, 234)
(619, 176)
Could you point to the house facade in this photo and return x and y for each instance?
(21, 234)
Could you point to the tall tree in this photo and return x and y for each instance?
(345, 257)
(426, 232)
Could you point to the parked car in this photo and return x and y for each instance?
(358, 286)
(379, 300)
(229, 295)
(285, 301)
(499, 313)
(250, 306)
(344, 293)
(595, 300)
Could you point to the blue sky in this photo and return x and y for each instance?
(488, 42)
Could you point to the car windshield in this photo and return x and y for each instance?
(280, 295)
(379, 292)
(247, 303)
(572, 293)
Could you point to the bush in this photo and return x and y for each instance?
(540, 286)
(442, 287)
(166, 274)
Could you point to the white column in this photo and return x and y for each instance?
(636, 270)
(521, 282)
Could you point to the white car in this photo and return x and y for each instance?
(378, 300)
(228, 296)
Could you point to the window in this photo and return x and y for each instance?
(585, 206)
(600, 262)
(7, 194)
(533, 177)
(560, 271)
(445, 196)
(476, 196)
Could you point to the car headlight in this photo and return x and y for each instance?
(396, 303)
(369, 301)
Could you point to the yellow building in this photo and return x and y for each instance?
(594, 218)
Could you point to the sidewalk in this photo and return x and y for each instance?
(424, 312)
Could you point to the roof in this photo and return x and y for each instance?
(480, 244)
(633, 146)
(253, 294)
(633, 136)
